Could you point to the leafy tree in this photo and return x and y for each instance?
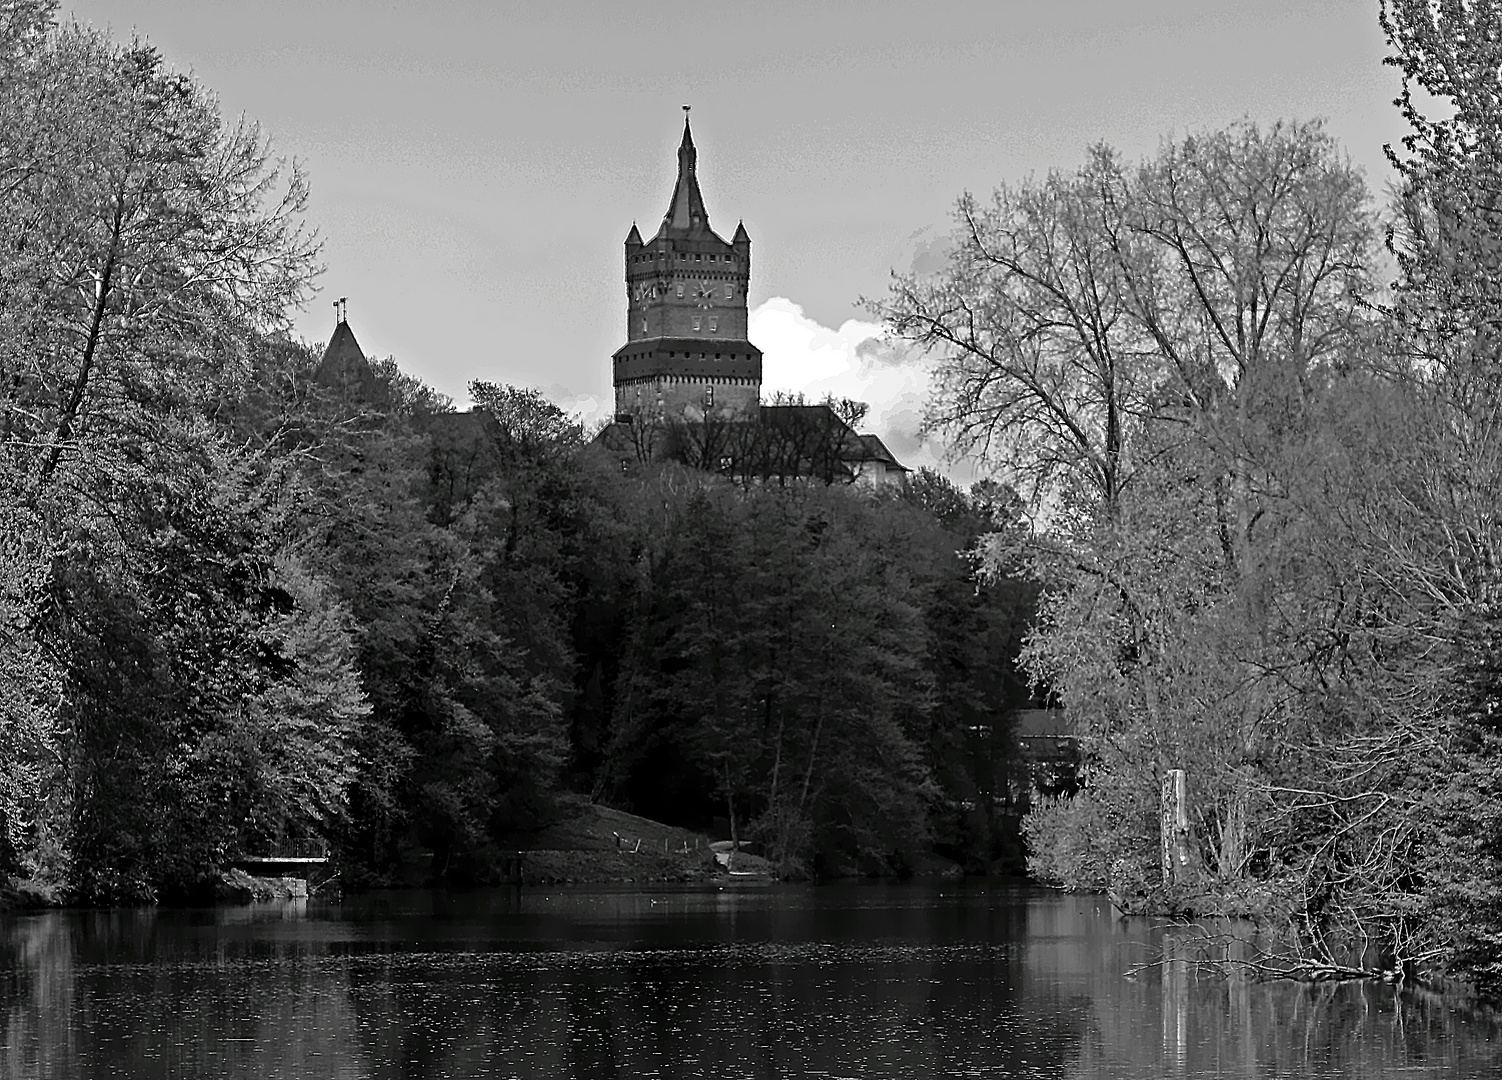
(1437, 569)
(148, 240)
(1148, 354)
(776, 666)
(1446, 237)
(212, 707)
(975, 628)
(148, 249)
(30, 690)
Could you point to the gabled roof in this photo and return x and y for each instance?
(854, 449)
(816, 415)
(876, 450)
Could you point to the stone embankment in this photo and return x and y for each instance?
(238, 887)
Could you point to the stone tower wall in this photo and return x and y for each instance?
(668, 398)
(687, 288)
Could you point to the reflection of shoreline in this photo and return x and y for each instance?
(1164, 1013)
(101, 993)
(878, 980)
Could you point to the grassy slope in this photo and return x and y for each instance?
(583, 847)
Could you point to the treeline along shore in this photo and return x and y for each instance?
(261, 599)
(1248, 422)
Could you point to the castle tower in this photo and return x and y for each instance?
(686, 354)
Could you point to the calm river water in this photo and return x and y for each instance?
(835, 981)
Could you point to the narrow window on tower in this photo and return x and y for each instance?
(709, 397)
(643, 324)
(729, 292)
(680, 290)
(714, 323)
(696, 323)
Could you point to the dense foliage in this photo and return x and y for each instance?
(1270, 494)
(252, 600)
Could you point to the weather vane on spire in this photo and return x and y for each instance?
(685, 111)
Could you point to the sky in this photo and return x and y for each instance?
(476, 165)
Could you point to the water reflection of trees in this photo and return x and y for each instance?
(690, 985)
(114, 993)
(1179, 1017)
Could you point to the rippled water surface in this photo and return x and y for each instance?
(838, 981)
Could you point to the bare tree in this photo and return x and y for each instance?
(1147, 353)
(1040, 363)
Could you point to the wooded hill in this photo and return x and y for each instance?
(252, 603)
(241, 607)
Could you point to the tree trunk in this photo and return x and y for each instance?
(74, 403)
(1231, 852)
(735, 836)
(1174, 828)
(779, 819)
(813, 747)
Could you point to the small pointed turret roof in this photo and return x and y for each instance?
(345, 369)
(741, 235)
(633, 237)
(686, 213)
(343, 361)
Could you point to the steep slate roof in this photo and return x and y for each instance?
(345, 369)
(686, 215)
(343, 361)
(815, 417)
(853, 448)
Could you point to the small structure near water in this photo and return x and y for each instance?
(291, 876)
(1050, 751)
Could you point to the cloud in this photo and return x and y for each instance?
(857, 361)
(591, 410)
(802, 356)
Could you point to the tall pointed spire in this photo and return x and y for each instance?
(686, 212)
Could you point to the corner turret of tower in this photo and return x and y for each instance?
(741, 242)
